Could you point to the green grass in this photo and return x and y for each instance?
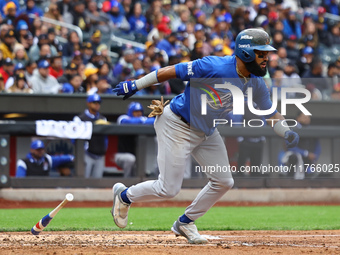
(218, 218)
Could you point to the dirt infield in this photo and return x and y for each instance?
(9, 204)
(164, 242)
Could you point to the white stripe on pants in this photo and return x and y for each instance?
(176, 141)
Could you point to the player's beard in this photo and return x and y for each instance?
(256, 69)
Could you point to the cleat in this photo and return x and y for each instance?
(189, 231)
(120, 209)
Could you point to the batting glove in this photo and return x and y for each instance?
(292, 138)
(126, 88)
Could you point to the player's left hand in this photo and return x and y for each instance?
(126, 88)
(292, 138)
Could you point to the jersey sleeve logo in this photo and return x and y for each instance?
(190, 72)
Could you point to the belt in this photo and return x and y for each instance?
(185, 121)
(182, 119)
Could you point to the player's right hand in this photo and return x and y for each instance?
(126, 89)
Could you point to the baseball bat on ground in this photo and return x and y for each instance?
(37, 228)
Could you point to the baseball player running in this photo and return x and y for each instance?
(180, 134)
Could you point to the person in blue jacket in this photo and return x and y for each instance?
(38, 163)
(125, 157)
(30, 8)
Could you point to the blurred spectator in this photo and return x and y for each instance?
(70, 70)
(56, 66)
(20, 55)
(31, 66)
(322, 26)
(306, 152)
(21, 30)
(42, 48)
(72, 45)
(74, 85)
(53, 41)
(7, 69)
(79, 17)
(54, 14)
(105, 71)
(103, 87)
(124, 62)
(97, 19)
(117, 17)
(2, 84)
(77, 58)
(65, 8)
(7, 45)
(38, 163)
(104, 52)
(278, 39)
(138, 23)
(3, 4)
(310, 37)
(293, 52)
(168, 44)
(305, 60)
(127, 144)
(31, 9)
(160, 28)
(204, 47)
(27, 41)
(10, 11)
(96, 39)
(95, 148)
(43, 82)
(87, 52)
(91, 79)
(333, 74)
(332, 6)
(290, 77)
(292, 26)
(18, 69)
(283, 60)
(334, 38)
(315, 79)
(20, 85)
(277, 81)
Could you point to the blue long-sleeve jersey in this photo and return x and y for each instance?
(214, 70)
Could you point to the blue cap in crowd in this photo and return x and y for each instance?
(93, 98)
(307, 50)
(220, 19)
(262, 5)
(67, 88)
(228, 18)
(182, 28)
(43, 64)
(22, 25)
(19, 66)
(37, 144)
(198, 27)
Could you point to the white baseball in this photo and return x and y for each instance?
(69, 197)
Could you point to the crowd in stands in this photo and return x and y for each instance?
(39, 57)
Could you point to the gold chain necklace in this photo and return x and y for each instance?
(240, 74)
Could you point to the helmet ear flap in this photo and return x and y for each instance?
(248, 56)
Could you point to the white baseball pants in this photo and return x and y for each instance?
(176, 141)
(94, 167)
